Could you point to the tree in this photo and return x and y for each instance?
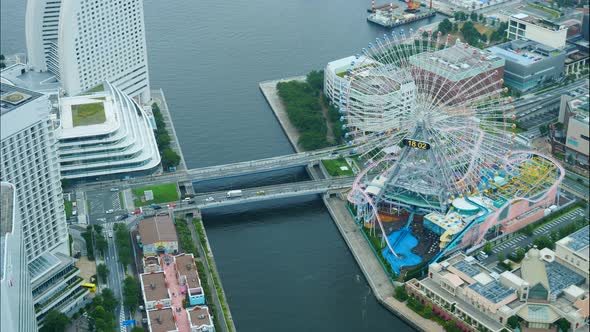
(519, 254)
(162, 139)
(484, 38)
(55, 321)
(512, 322)
(445, 26)
(487, 248)
(564, 324)
(544, 129)
(427, 313)
(130, 293)
(101, 243)
(170, 158)
(108, 298)
(103, 272)
(315, 79)
(470, 33)
(528, 230)
(400, 293)
(473, 16)
(544, 242)
(137, 329)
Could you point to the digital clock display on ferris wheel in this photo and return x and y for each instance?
(416, 144)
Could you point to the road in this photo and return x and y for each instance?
(576, 184)
(521, 240)
(219, 198)
(220, 171)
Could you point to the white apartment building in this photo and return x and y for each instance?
(29, 161)
(105, 134)
(366, 104)
(86, 42)
(573, 251)
(542, 31)
(16, 301)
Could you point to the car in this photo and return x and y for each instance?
(101, 219)
(192, 201)
(109, 211)
(186, 199)
(260, 192)
(209, 199)
(138, 211)
(171, 205)
(156, 207)
(110, 234)
(114, 189)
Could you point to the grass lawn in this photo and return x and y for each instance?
(88, 114)
(121, 200)
(333, 167)
(68, 206)
(162, 194)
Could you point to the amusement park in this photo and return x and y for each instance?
(432, 128)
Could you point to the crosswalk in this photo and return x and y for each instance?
(509, 244)
(122, 319)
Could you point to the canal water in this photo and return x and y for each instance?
(284, 265)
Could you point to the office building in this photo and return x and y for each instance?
(16, 300)
(575, 117)
(535, 295)
(523, 26)
(188, 278)
(84, 43)
(29, 161)
(158, 235)
(200, 319)
(529, 64)
(105, 135)
(335, 85)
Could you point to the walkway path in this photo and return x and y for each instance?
(380, 284)
(182, 321)
(158, 96)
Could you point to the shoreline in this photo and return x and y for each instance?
(381, 286)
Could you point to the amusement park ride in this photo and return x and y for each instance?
(442, 170)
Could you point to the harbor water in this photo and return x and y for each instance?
(283, 264)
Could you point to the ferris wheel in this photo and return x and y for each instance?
(425, 115)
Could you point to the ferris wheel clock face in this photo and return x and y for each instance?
(416, 144)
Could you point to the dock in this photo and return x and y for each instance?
(390, 21)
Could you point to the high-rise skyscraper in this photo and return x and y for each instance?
(16, 300)
(29, 161)
(86, 42)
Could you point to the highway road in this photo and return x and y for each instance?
(576, 184)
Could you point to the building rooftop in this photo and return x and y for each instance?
(159, 228)
(578, 242)
(493, 291)
(524, 52)
(457, 62)
(87, 116)
(40, 268)
(544, 23)
(560, 277)
(185, 265)
(468, 269)
(199, 316)
(18, 75)
(12, 97)
(154, 286)
(6, 219)
(161, 320)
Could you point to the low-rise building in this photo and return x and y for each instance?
(105, 135)
(572, 251)
(335, 85)
(535, 295)
(151, 264)
(188, 278)
(529, 63)
(524, 26)
(161, 320)
(158, 236)
(200, 319)
(155, 291)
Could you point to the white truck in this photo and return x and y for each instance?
(234, 193)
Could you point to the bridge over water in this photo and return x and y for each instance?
(223, 171)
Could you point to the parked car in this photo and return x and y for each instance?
(109, 211)
(209, 199)
(114, 189)
(171, 205)
(261, 192)
(138, 211)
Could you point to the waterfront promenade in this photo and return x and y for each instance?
(271, 94)
(380, 284)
